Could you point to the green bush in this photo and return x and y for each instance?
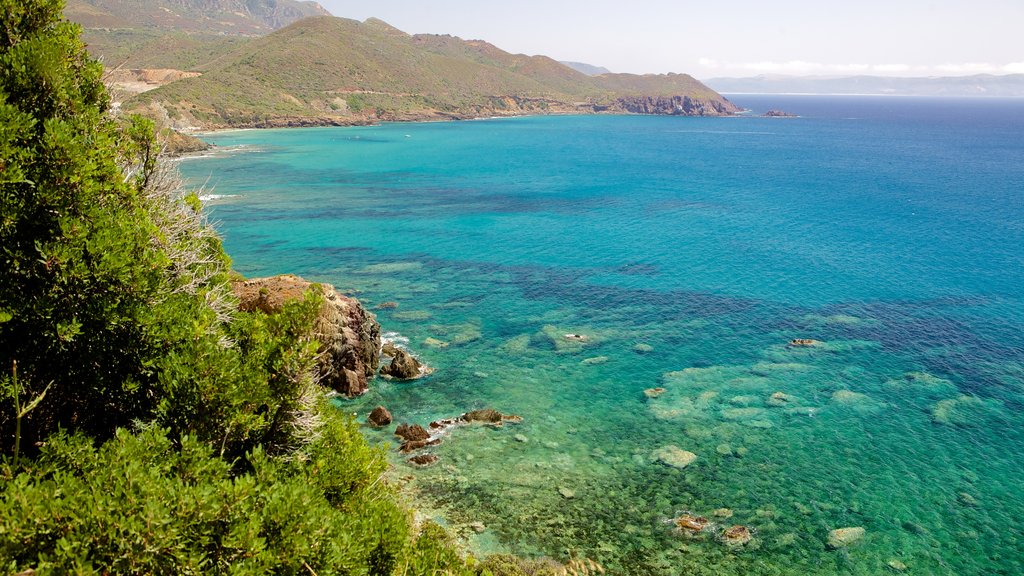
(166, 432)
(141, 503)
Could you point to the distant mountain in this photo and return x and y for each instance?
(978, 85)
(588, 69)
(231, 17)
(336, 71)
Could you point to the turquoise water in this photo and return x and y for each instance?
(890, 230)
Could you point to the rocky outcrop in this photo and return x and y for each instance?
(349, 335)
(379, 417)
(411, 432)
(736, 536)
(675, 106)
(403, 365)
(690, 523)
(778, 114)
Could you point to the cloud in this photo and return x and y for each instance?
(890, 68)
(802, 67)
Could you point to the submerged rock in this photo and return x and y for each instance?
(349, 335)
(966, 499)
(742, 413)
(654, 392)
(843, 537)
(423, 460)
(643, 348)
(674, 456)
(780, 400)
(387, 306)
(595, 360)
(736, 536)
(896, 565)
(435, 343)
(967, 410)
(379, 417)
(848, 397)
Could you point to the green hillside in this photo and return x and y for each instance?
(337, 71)
(232, 17)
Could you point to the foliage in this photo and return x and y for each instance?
(169, 433)
(141, 503)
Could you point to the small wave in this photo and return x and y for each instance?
(213, 197)
(394, 338)
(220, 152)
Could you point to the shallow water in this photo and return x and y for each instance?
(888, 229)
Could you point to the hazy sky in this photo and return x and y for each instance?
(732, 38)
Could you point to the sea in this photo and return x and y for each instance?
(827, 311)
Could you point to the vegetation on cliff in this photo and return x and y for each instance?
(326, 70)
(147, 425)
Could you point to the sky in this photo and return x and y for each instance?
(732, 38)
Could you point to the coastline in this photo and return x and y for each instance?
(487, 318)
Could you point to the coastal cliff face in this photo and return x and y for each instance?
(676, 106)
(349, 335)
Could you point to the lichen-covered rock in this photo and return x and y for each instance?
(349, 335)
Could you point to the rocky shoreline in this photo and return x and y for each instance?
(638, 105)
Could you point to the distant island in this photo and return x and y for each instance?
(204, 64)
(1006, 86)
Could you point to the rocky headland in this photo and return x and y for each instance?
(349, 335)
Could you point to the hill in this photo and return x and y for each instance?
(330, 70)
(1006, 86)
(231, 17)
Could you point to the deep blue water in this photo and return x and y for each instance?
(889, 229)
